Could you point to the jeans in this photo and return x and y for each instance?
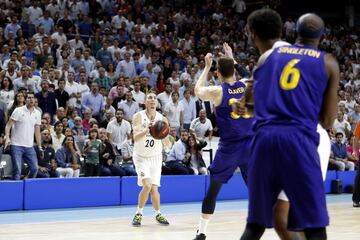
(112, 170)
(129, 169)
(19, 153)
(178, 168)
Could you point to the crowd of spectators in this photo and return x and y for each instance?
(91, 63)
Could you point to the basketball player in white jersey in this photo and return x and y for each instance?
(147, 158)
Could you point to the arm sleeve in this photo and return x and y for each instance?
(242, 71)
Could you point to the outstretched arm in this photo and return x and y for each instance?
(208, 93)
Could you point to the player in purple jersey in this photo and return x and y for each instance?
(291, 98)
(234, 131)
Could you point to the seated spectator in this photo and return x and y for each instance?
(176, 159)
(68, 159)
(93, 150)
(350, 152)
(194, 155)
(46, 157)
(339, 156)
(107, 159)
(202, 126)
(127, 156)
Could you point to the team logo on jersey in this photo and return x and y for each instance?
(142, 174)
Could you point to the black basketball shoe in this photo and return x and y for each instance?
(136, 222)
(162, 220)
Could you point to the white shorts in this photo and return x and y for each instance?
(324, 150)
(148, 168)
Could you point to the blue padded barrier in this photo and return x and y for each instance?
(235, 188)
(347, 177)
(11, 195)
(184, 188)
(330, 176)
(71, 192)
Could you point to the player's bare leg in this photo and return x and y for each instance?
(155, 199)
(143, 197)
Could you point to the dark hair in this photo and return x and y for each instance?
(265, 23)
(173, 93)
(120, 109)
(57, 123)
(339, 133)
(11, 86)
(226, 67)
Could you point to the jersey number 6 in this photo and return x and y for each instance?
(290, 75)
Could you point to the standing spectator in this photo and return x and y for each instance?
(24, 122)
(148, 72)
(165, 97)
(94, 101)
(118, 130)
(126, 67)
(61, 95)
(34, 11)
(57, 137)
(19, 101)
(339, 158)
(174, 111)
(68, 159)
(93, 149)
(24, 81)
(138, 95)
(104, 55)
(129, 106)
(46, 157)
(13, 27)
(103, 80)
(177, 159)
(7, 93)
(60, 36)
(189, 109)
(46, 99)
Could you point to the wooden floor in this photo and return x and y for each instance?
(225, 225)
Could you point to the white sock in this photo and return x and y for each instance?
(203, 225)
(139, 210)
(157, 212)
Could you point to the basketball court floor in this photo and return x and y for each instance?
(110, 223)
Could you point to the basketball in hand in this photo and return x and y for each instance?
(159, 130)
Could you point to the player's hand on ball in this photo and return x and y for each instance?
(238, 107)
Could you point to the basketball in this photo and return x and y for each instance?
(159, 130)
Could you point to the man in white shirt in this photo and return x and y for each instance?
(165, 97)
(174, 111)
(34, 11)
(59, 36)
(24, 122)
(72, 88)
(138, 95)
(202, 126)
(349, 102)
(118, 130)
